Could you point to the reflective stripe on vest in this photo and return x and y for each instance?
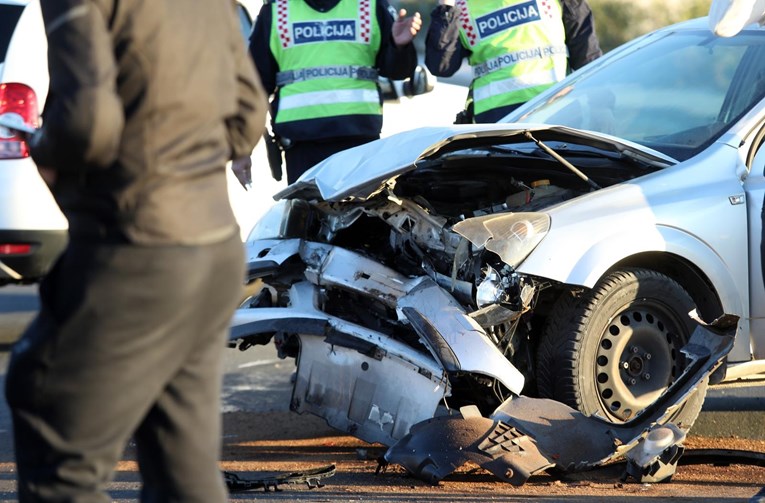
(326, 61)
(517, 49)
(512, 85)
(324, 72)
(318, 98)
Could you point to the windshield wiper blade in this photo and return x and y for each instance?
(561, 160)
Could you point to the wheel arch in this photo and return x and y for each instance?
(691, 278)
(671, 251)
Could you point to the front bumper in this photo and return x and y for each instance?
(358, 378)
(46, 245)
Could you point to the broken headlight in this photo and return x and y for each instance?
(288, 218)
(512, 236)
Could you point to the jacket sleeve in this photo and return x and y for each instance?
(393, 62)
(83, 117)
(581, 40)
(443, 50)
(246, 127)
(260, 50)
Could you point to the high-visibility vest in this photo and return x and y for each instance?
(326, 66)
(518, 49)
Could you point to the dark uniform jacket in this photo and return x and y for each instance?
(142, 116)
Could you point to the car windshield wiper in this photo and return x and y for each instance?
(561, 160)
(633, 158)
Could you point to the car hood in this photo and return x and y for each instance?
(360, 172)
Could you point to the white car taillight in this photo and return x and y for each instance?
(18, 103)
(15, 249)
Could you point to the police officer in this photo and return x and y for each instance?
(517, 48)
(320, 60)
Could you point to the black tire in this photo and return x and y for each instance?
(613, 350)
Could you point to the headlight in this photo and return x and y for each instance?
(491, 289)
(288, 218)
(512, 236)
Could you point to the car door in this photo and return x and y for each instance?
(754, 186)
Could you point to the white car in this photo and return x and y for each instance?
(32, 229)
(556, 255)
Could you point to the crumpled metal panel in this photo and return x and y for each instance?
(350, 375)
(563, 436)
(455, 338)
(266, 255)
(332, 265)
(361, 392)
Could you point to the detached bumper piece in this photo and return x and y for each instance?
(526, 436)
(312, 478)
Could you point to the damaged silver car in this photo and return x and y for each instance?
(556, 255)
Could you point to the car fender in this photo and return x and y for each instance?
(585, 265)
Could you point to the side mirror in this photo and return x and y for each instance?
(421, 82)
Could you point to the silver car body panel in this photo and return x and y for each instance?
(340, 377)
(361, 394)
(469, 348)
(365, 172)
(275, 251)
(348, 374)
(452, 336)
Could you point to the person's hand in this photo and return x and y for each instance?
(405, 28)
(242, 169)
(48, 175)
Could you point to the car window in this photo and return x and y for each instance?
(9, 16)
(676, 94)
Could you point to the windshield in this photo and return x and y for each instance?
(676, 95)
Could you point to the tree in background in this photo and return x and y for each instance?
(619, 21)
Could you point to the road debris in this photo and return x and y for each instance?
(527, 436)
(312, 478)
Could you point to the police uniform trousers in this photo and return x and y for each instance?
(127, 344)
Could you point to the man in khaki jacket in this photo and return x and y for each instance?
(148, 100)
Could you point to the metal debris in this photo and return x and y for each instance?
(525, 436)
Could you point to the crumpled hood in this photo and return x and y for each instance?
(361, 171)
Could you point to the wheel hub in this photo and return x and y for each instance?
(637, 359)
(634, 366)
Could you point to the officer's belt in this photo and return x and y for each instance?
(326, 72)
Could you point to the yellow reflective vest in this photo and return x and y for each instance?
(326, 67)
(518, 49)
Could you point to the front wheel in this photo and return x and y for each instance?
(613, 350)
